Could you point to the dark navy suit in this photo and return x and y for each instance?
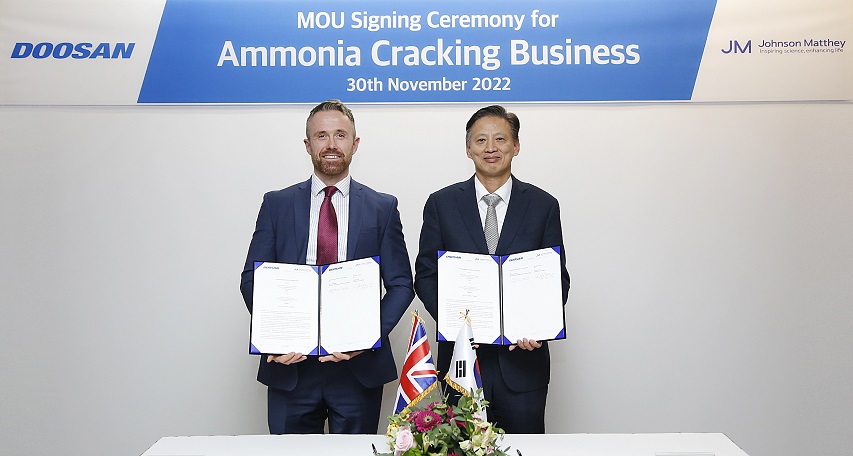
(452, 222)
(281, 235)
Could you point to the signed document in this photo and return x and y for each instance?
(507, 297)
(315, 310)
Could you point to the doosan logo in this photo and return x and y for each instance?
(66, 50)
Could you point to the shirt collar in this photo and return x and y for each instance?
(504, 191)
(343, 185)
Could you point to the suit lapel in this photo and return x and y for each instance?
(356, 206)
(301, 222)
(518, 204)
(470, 215)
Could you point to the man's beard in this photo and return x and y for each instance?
(331, 169)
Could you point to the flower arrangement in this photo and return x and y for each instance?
(441, 429)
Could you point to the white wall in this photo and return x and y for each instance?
(709, 245)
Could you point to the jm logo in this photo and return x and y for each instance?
(736, 48)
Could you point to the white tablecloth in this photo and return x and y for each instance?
(699, 444)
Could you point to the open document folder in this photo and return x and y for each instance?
(316, 310)
(506, 297)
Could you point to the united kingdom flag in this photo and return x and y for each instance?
(418, 378)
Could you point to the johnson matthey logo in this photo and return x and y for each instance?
(68, 50)
(805, 45)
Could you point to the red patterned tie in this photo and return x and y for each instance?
(327, 230)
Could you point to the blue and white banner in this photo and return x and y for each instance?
(90, 52)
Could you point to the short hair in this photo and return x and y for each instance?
(494, 111)
(331, 105)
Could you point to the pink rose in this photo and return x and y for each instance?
(405, 440)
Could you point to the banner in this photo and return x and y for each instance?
(90, 52)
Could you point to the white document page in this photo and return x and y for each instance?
(284, 310)
(349, 306)
(533, 296)
(469, 282)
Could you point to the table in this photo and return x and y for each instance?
(675, 444)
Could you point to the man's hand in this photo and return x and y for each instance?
(526, 344)
(337, 357)
(289, 358)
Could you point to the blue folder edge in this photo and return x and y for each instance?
(252, 349)
(315, 268)
(441, 337)
(502, 340)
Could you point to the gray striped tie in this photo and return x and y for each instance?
(491, 227)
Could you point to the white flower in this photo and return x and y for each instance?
(404, 440)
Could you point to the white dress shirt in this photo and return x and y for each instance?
(340, 201)
(500, 209)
